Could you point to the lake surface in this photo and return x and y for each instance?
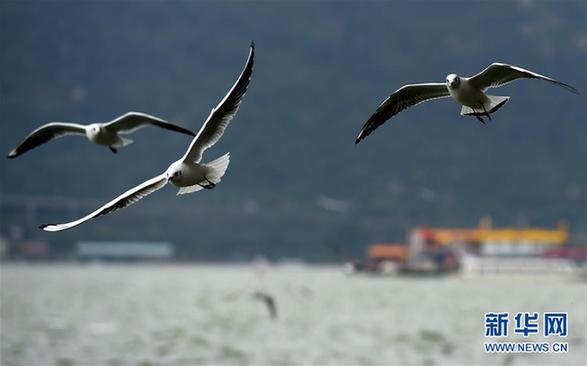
(206, 315)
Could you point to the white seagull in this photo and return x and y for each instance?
(470, 92)
(106, 134)
(187, 173)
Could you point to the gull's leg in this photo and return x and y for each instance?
(477, 116)
(210, 185)
(485, 110)
(112, 149)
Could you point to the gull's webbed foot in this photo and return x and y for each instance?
(112, 149)
(480, 119)
(210, 184)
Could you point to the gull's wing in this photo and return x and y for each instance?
(222, 114)
(46, 133)
(405, 97)
(126, 199)
(132, 121)
(498, 74)
(269, 301)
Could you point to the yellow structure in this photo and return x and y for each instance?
(557, 236)
(485, 240)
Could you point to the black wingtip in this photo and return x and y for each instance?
(570, 88)
(43, 226)
(361, 136)
(252, 44)
(574, 91)
(12, 154)
(186, 131)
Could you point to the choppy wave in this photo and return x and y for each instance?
(206, 315)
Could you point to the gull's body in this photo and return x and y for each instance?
(468, 95)
(468, 91)
(105, 134)
(192, 173)
(187, 173)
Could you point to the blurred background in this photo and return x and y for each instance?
(473, 218)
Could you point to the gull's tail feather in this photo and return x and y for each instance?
(492, 105)
(218, 170)
(219, 167)
(123, 142)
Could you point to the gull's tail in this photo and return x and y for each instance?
(218, 168)
(123, 142)
(492, 104)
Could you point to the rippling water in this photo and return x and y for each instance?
(205, 315)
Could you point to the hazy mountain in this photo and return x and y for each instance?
(296, 179)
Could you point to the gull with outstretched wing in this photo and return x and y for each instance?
(187, 173)
(469, 92)
(105, 134)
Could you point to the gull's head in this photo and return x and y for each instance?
(453, 81)
(174, 172)
(95, 128)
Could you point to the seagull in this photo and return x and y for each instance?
(187, 173)
(470, 92)
(269, 302)
(106, 134)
